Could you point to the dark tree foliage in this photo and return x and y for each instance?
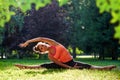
(12, 31)
(48, 22)
(90, 30)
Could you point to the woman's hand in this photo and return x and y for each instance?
(23, 44)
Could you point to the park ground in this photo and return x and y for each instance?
(9, 72)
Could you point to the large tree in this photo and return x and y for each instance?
(24, 5)
(47, 21)
(111, 6)
(91, 31)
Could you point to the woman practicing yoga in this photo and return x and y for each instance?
(58, 54)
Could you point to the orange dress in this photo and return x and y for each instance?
(62, 54)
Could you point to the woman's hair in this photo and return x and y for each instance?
(42, 43)
(37, 50)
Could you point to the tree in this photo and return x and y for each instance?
(76, 12)
(12, 31)
(47, 21)
(91, 31)
(24, 5)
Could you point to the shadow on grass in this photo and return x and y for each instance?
(46, 71)
(49, 71)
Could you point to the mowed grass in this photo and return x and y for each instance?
(9, 72)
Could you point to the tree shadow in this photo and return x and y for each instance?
(49, 71)
(46, 71)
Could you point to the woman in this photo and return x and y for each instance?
(58, 54)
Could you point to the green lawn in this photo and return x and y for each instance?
(9, 72)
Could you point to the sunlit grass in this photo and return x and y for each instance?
(9, 72)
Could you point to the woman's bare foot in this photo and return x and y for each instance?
(109, 67)
(103, 67)
(27, 67)
(20, 66)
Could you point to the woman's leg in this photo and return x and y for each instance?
(71, 63)
(51, 66)
(88, 66)
(83, 65)
(28, 67)
(46, 65)
(110, 67)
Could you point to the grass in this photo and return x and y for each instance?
(9, 72)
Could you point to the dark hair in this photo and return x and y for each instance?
(37, 48)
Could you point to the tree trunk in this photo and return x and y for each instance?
(2, 55)
(20, 54)
(2, 52)
(74, 53)
(101, 53)
(114, 53)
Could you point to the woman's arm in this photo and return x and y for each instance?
(39, 39)
(58, 62)
(49, 41)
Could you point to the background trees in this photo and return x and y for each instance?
(113, 8)
(91, 31)
(24, 5)
(77, 24)
(48, 22)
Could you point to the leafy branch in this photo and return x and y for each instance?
(113, 7)
(24, 5)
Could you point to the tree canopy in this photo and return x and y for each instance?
(113, 7)
(24, 5)
(48, 21)
(90, 30)
(78, 25)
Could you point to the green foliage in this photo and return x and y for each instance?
(16, 21)
(90, 30)
(81, 21)
(62, 2)
(1, 34)
(77, 50)
(117, 29)
(77, 10)
(24, 5)
(113, 7)
(70, 49)
(4, 11)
